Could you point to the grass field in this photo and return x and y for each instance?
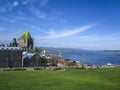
(82, 79)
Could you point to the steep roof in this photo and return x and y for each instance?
(61, 60)
(25, 35)
(10, 48)
(28, 55)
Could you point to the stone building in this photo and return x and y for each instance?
(31, 59)
(26, 41)
(10, 57)
(14, 43)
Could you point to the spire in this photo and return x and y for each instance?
(44, 53)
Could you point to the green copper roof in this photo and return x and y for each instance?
(25, 35)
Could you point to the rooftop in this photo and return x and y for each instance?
(25, 35)
(10, 48)
(27, 55)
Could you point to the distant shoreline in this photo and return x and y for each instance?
(111, 50)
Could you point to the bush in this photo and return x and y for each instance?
(14, 69)
(37, 68)
(67, 63)
(19, 69)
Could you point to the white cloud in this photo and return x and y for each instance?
(98, 42)
(8, 6)
(36, 28)
(71, 40)
(66, 33)
(25, 2)
(50, 15)
(16, 3)
(38, 13)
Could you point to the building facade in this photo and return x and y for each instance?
(10, 57)
(13, 43)
(31, 59)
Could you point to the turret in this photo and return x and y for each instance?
(26, 41)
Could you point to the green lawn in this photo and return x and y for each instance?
(81, 79)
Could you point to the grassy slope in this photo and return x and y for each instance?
(92, 79)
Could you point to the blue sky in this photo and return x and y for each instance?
(86, 24)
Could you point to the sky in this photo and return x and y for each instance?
(84, 24)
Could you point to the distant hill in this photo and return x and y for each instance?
(111, 50)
